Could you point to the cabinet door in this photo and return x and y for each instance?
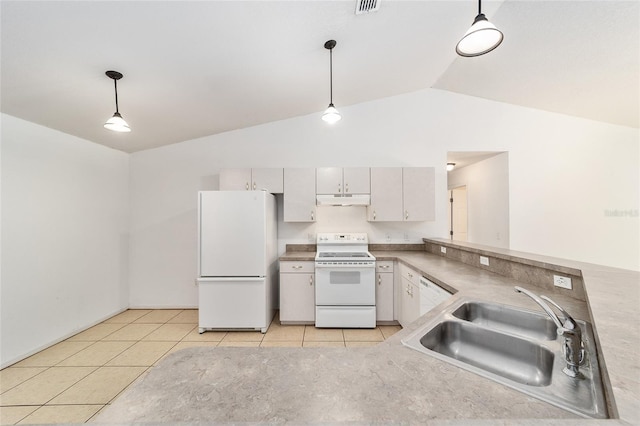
(329, 180)
(409, 303)
(418, 193)
(297, 298)
(270, 179)
(235, 179)
(356, 180)
(386, 195)
(384, 296)
(299, 195)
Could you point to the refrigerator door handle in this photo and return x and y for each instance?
(227, 279)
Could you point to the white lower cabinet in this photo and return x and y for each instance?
(384, 291)
(297, 292)
(408, 295)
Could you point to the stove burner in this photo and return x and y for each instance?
(343, 254)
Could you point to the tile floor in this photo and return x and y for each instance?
(73, 380)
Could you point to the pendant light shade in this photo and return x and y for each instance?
(116, 123)
(481, 38)
(331, 114)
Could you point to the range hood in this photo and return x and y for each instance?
(343, 200)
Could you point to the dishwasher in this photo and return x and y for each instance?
(431, 295)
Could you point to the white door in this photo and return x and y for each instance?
(458, 213)
(345, 285)
(329, 180)
(269, 179)
(356, 180)
(232, 303)
(386, 194)
(232, 233)
(418, 184)
(235, 179)
(300, 195)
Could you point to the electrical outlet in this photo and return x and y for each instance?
(406, 236)
(443, 250)
(388, 236)
(484, 260)
(562, 282)
(311, 238)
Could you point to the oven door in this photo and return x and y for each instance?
(345, 285)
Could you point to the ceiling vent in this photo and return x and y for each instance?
(366, 6)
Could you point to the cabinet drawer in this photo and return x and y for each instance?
(384, 265)
(409, 274)
(289, 266)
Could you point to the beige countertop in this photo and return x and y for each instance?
(613, 304)
(388, 382)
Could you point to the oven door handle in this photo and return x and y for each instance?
(342, 266)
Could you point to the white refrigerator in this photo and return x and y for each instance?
(237, 260)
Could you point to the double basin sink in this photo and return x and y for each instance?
(516, 347)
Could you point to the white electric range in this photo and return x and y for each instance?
(345, 281)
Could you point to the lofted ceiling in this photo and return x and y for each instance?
(196, 68)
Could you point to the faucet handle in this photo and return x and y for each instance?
(569, 323)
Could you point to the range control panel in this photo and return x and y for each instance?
(333, 238)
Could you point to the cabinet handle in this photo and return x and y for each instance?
(310, 279)
(383, 266)
(346, 187)
(246, 186)
(374, 215)
(297, 266)
(312, 218)
(406, 214)
(379, 279)
(254, 186)
(410, 274)
(339, 188)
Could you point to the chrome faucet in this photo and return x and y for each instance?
(573, 348)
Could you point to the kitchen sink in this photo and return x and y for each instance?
(516, 347)
(516, 359)
(508, 319)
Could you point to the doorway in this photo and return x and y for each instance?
(458, 213)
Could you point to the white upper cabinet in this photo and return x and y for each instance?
(418, 193)
(386, 195)
(270, 179)
(299, 195)
(337, 180)
(402, 194)
(235, 179)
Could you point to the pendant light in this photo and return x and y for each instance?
(116, 123)
(331, 114)
(451, 166)
(481, 38)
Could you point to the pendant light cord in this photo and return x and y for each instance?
(331, 75)
(115, 85)
(479, 7)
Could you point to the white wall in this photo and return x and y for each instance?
(487, 185)
(548, 154)
(64, 236)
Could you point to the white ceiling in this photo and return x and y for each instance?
(198, 68)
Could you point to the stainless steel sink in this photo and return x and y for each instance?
(509, 319)
(516, 359)
(515, 347)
